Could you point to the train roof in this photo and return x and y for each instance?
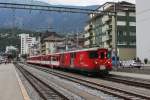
(89, 49)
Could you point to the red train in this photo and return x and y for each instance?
(93, 60)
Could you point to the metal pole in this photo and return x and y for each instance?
(116, 52)
(66, 42)
(114, 33)
(77, 41)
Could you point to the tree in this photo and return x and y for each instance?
(24, 56)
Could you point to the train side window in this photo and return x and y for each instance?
(102, 55)
(93, 54)
(54, 58)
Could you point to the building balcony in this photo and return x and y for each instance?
(106, 38)
(88, 27)
(106, 45)
(87, 35)
(105, 19)
(87, 43)
(106, 28)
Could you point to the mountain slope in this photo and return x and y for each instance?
(40, 20)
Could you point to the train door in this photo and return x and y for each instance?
(62, 60)
(73, 55)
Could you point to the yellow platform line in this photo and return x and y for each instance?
(23, 90)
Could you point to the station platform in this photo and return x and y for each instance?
(132, 75)
(11, 87)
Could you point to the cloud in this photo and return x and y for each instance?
(81, 2)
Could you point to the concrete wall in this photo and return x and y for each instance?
(143, 28)
(127, 53)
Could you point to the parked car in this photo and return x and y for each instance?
(132, 63)
(137, 64)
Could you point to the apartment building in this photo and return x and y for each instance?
(51, 42)
(26, 43)
(113, 28)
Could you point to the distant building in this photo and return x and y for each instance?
(10, 48)
(143, 29)
(26, 43)
(51, 42)
(78, 40)
(103, 29)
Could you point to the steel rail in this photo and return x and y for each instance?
(107, 89)
(43, 89)
(132, 82)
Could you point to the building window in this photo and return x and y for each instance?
(121, 33)
(132, 14)
(132, 34)
(124, 33)
(122, 43)
(133, 43)
(121, 23)
(132, 24)
(121, 14)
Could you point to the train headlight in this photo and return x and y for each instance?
(96, 62)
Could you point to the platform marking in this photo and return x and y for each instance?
(23, 90)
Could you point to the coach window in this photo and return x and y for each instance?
(93, 54)
(102, 55)
(53, 58)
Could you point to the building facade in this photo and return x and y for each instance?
(143, 23)
(116, 31)
(27, 43)
(51, 43)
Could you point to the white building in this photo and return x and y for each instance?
(26, 43)
(143, 28)
(9, 48)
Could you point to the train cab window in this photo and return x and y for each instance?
(102, 55)
(93, 54)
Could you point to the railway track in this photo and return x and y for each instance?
(106, 89)
(44, 90)
(128, 81)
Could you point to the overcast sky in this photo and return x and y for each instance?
(81, 2)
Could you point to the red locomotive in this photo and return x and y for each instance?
(93, 60)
